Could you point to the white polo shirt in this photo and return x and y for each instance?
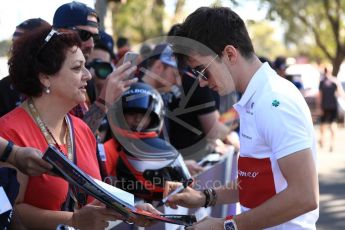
(275, 121)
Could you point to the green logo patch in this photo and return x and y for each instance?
(275, 103)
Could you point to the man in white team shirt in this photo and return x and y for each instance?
(277, 178)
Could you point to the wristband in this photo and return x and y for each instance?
(207, 200)
(7, 151)
(101, 101)
(213, 200)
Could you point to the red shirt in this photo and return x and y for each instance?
(49, 192)
(110, 148)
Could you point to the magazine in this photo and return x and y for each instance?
(121, 201)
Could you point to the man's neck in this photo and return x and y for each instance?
(248, 68)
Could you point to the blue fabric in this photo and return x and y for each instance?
(72, 14)
(8, 180)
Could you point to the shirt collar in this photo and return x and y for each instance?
(258, 79)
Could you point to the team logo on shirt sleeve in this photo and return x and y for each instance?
(256, 180)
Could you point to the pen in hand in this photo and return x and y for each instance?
(179, 189)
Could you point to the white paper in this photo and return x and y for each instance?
(179, 211)
(121, 194)
(5, 204)
(201, 213)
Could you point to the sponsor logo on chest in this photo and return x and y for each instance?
(247, 174)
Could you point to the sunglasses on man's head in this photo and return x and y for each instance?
(102, 69)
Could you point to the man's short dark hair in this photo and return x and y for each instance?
(121, 42)
(215, 28)
(100, 45)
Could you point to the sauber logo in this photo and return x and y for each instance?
(246, 136)
(247, 174)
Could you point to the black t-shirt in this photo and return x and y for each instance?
(91, 90)
(9, 97)
(185, 130)
(328, 89)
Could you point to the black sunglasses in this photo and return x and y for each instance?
(85, 35)
(102, 69)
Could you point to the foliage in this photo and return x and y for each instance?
(321, 20)
(264, 41)
(4, 47)
(138, 20)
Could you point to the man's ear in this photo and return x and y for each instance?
(44, 79)
(230, 53)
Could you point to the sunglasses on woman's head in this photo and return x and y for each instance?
(53, 33)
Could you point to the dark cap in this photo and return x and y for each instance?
(164, 53)
(107, 40)
(31, 24)
(73, 14)
(28, 25)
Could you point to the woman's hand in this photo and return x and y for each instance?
(29, 161)
(94, 216)
(193, 167)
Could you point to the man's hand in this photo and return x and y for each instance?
(188, 198)
(208, 223)
(29, 161)
(116, 83)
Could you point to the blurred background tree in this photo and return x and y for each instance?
(4, 47)
(141, 20)
(137, 20)
(265, 40)
(314, 27)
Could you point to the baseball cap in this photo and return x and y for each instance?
(73, 14)
(107, 40)
(165, 54)
(28, 25)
